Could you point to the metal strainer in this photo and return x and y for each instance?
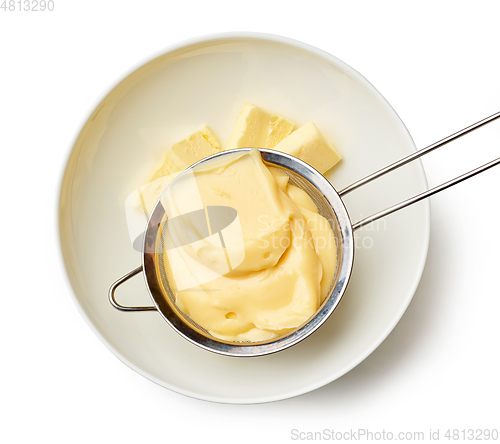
(330, 206)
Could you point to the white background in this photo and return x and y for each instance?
(438, 65)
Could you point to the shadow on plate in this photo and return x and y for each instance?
(407, 338)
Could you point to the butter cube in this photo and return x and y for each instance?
(309, 145)
(197, 146)
(257, 128)
(151, 191)
(177, 158)
(161, 169)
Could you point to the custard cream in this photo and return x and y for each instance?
(261, 273)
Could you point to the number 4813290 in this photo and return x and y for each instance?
(27, 5)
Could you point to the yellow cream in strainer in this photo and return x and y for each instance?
(247, 255)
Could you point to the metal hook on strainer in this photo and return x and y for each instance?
(330, 206)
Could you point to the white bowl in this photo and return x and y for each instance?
(205, 81)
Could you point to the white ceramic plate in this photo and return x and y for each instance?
(205, 82)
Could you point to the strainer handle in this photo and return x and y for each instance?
(115, 285)
(412, 157)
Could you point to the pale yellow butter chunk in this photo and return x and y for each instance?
(258, 128)
(197, 146)
(309, 145)
(161, 169)
(177, 158)
(151, 191)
